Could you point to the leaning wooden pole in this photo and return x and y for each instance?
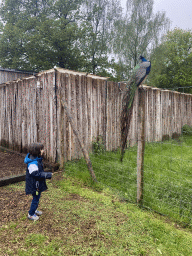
(141, 146)
(85, 153)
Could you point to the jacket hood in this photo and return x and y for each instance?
(28, 160)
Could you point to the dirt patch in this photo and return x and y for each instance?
(11, 164)
(13, 204)
(75, 197)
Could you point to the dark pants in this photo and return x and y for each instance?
(34, 204)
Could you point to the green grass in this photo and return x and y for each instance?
(78, 220)
(84, 218)
(109, 171)
(167, 176)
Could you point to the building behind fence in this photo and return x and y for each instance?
(7, 75)
(31, 110)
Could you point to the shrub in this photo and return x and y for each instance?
(187, 130)
(98, 145)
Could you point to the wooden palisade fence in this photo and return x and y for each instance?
(31, 110)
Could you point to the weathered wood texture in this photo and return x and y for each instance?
(85, 98)
(28, 113)
(31, 110)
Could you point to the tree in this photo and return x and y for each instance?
(39, 34)
(99, 18)
(137, 32)
(172, 62)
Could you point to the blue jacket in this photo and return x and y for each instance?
(35, 175)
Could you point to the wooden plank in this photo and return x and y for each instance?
(39, 112)
(119, 109)
(105, 114)
(150, 115)
(78, 113)
(14, 118)
(108, 114)
(163, 113)
(68, 128)
(19, 115)
(160, 115)
(5, 135)
(74, 152)
(103, 111)
(147, 125)
(55, 128)
(89, 113)
(64, 117)
(116, 120)
(84, 110)
(100, 108)
(23, 115)
(113, 96)
(97, 108)
(60, 123)
(157, 115)
(46, 105)
(94, 111)
(111, 116)
(9, 115)
(177, 112)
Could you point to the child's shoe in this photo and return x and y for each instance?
(39, 213)
(34, 217)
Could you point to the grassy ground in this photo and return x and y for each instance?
(78, 220)
(167, 176)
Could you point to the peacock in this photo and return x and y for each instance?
(139, 73)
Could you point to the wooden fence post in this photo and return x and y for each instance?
(85, 153)
(141, 145)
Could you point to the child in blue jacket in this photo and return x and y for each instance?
(35, 177)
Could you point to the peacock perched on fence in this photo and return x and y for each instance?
(140, 72)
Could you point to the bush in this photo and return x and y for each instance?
(187, 130)
(98, 145)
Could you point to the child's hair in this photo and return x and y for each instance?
(35, 149)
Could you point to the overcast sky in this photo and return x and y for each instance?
(178, 11)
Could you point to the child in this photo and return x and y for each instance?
(35, 177)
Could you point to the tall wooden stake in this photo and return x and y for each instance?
(85, 153)
(141, 146)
